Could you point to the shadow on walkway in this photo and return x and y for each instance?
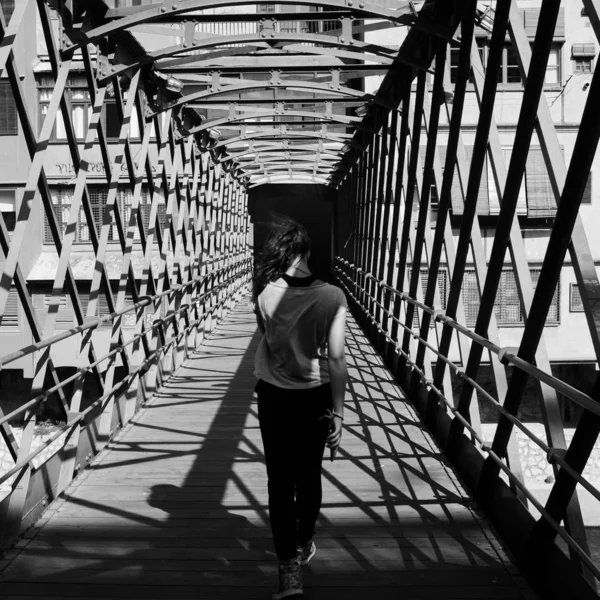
(177, 506)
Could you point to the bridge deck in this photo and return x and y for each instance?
(175, 507)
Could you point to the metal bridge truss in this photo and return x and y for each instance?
(285, 116)
(196, 263)
(387, 233)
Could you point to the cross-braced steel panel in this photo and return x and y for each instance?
(188, 107)
(167, 242)
(413, 236)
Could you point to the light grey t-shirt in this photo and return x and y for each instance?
(293, 351)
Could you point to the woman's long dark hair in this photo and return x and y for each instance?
(286, 240)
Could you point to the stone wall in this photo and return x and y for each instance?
(535, 465)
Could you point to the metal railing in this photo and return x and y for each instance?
(353, 280)
(222, 288)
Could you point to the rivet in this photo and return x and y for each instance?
(279, 82)
(113, 69)
(361, 5)
(343, 40)
(350, 3)
(351, 42)
(185, 44)
(163, 9)
(174, 6)
(272, 34)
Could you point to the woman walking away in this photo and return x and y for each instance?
(301, 369)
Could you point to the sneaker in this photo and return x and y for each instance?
(305, 553)
(289, 582)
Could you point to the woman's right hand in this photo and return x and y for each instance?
(334, 437)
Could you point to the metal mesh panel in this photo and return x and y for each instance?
(575, 301)
(10, 317)
(8, 111)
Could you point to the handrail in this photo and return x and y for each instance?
(505, 355)
(554, 455)
(94, 322)
(118, 348)
(25, 462)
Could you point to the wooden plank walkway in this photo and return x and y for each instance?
(176, 506)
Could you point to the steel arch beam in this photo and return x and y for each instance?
(118, 20)
(275, 133)
(276, 150)
(339, 53)
(332, 118)
(368, 50)
(249, 86)
(304, 165)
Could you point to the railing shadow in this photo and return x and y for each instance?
(392, 514)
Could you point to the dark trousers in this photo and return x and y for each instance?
(293, 437)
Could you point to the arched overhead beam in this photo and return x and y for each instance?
(285, 179)
(274, 18)
(276, 150)
(272, 159)
(278, 134)
(202, 74)
(367, 51)
(207, 60)
(285, 163)
(299, 167)
(327, 118)
(249, 86)
(119, 20)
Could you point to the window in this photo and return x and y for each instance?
(101, 307)
(8, 110)
(587, 192)
(59, 305)
(540, 197)
(126, 3)
(111, 120)
(8, 207)
(583, 57)
(483, 197)
(509, 71)
(62, 198)
(442, 290)
(510, 74)
(78, 95)
(10, 318)
(553, 74)
(575, 301)
(8, 7)
(581, 65)
(454, 54)
(265, 8)
(507, 307)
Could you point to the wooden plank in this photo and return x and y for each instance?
(348, 592)
(176, 505)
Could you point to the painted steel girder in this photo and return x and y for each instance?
(276, 150)
(301, 164)
(287, 179)
(367, 51)
(329, 118)
(249, 86)
(278, 134)
(262, 52)
(119, 20)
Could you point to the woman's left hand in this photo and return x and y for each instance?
(334, 437)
